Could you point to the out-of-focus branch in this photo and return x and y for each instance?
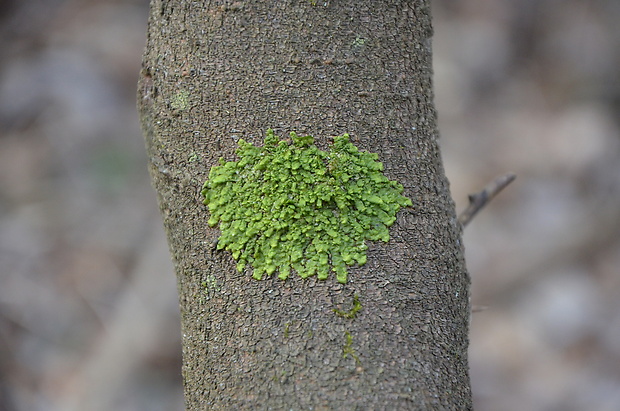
(479, 200)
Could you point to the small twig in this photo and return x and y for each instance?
(479, 200)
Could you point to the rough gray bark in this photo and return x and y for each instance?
(216, 71)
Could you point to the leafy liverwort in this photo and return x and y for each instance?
(292, 207)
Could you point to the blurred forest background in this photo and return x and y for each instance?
(88, 307)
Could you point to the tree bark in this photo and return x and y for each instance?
(216, 71)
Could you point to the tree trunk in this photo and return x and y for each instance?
(216, 71)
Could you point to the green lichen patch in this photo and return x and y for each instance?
(180, 101)
(289, 207)
(357, 306)
(210, 284)
(348, 350)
